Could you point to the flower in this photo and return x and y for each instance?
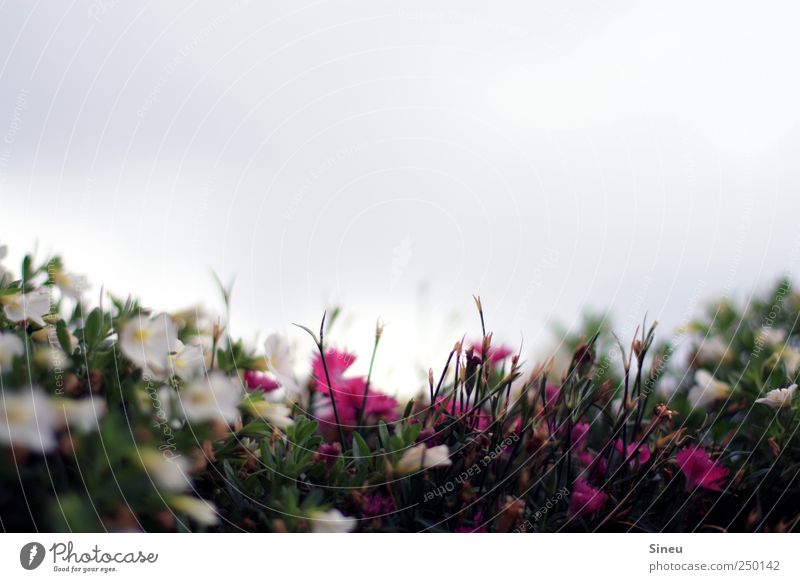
(50, 357)
(707, 389)
(10, 347)
(494, 355)
(666, 387)
(420, 457)
(214, 397)
(596, 465)
(713, 350)
(148, 342)
(3, 271)
(585, 499)
(791, 359)
(377, 505)
(258, 381)
(631, 452)
(771, 335)
(328, 453)
(331, 521)
(700, 470)
(337, 363)
(202, 511)
(578, 435)
(551, 394)
(348, 393)
(170, 473)
(31, 306)
(28, 419)
(83, 415)
(187, 361)
(474, 528)
(779, 397)
(275, 413)
(278, 356)
(71, 285)
(478, 525)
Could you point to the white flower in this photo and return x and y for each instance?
(214, 397)
(779, 398)
(275, 413)
(419, 457)
(771, 335)
(278, 355)
(712, 350)
(667, 386)
(187, 362)
(28, 419)
(791, 358)
(71, 285)
(50, 357)
(331, 521)
(28, 306)
(707, 389)
(10, 347)
(4, 273)
(84, 415)
(170, 473)
(196, 316)
(202, 511)
(148, 342)
(49, 335)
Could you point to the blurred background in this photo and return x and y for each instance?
(395, 158)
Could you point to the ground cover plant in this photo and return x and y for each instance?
(117, 417)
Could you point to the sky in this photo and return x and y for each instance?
(396, 158)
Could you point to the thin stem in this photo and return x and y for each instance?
(369, 379)
(321, 348)
(441, 378)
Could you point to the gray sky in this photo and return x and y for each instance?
(398, 157)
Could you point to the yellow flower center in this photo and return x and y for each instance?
(16, 415)
(142, 335)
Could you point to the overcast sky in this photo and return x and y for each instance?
(398, 157)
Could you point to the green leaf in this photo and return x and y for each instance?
(383, 433)
(360, 447)
(93, 328)
(409, 408)
(410, 433)
(63, 336)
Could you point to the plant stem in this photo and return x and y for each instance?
(366, 387)
(321, 348)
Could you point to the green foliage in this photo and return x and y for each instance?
(127, 445)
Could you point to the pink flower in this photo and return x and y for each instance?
(578, 436)
(329, 453)
(551, 392)
(377, 505)
(700, 470)
(259, 381)
(475, 528)
(585, 499)
(495, 355)
(631, 452)
(595, 464)
(349, 395)
(338, 362)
